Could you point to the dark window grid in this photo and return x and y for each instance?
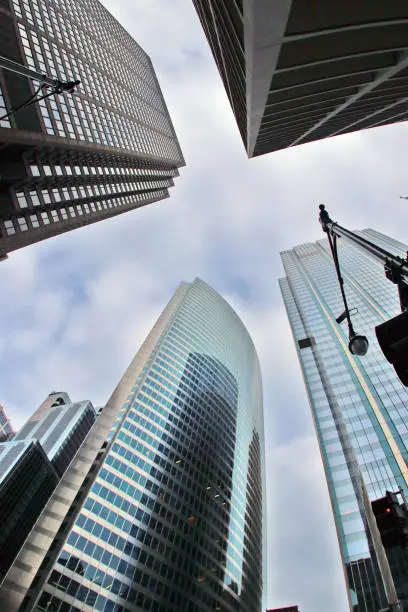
(112, 199)
(216, 515)
(55, 59)
(143, 580)
(4, 122)
(85, 36)
(192, 405)
(188, 330)
(197, 383)
(92, 576)
(191, 499)
(175, 549)
(185, 423)
(51, 603)
(144, 518)
(199, 489)
(206, 440)
(56, 115)
(86, 595)
(171, 502)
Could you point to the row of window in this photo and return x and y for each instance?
(35, 220)
(83, 170)
(47, 196)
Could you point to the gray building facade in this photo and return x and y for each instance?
(75, 159)
(60, 426)
(163, 506)
(358, 404)
(296, 71)
(6, 430)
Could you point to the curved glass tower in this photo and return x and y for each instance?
(173, 516)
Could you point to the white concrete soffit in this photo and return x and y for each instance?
(264, 28)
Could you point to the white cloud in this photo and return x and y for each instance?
(77, 307)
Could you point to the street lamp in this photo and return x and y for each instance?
(358, 344)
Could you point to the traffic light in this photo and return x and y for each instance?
(391, 520)
(392, 337)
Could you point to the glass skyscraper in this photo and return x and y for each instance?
(162, 509)
(359, 406)
(75, 159)
(27, 479)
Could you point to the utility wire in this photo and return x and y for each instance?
(27, 102)
(58, 89)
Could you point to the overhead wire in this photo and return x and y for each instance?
(32, 99)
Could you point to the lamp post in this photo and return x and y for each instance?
(55, 85)
(358, 344)
(392, 335)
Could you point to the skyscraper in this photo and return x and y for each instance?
(74, 159)
(6, 430)
(359, 406)
(295, 72)
(32, 464)
(163, 506)
(27, 479)
(61, 429)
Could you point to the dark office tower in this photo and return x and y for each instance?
(74, 159)
(61, 429)
(27, 479)
(297, 71)
(359, 407)
(6, 430)
(169, 516)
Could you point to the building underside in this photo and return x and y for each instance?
(296, 71)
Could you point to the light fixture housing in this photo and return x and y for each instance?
(358, 345)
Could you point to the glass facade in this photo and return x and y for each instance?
(358, 405)
(27, 479)
(108, 148)
(6, 430)
(174, 516)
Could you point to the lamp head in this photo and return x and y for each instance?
(358, 345)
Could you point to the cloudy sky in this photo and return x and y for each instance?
(76, 308)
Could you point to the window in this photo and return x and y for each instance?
(21, 199)
(22, 223)
(34, 198)
(9, 227)
(46, 196)
(34, 221)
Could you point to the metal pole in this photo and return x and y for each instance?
(8, 64)
(385, 257)
(57, 85)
